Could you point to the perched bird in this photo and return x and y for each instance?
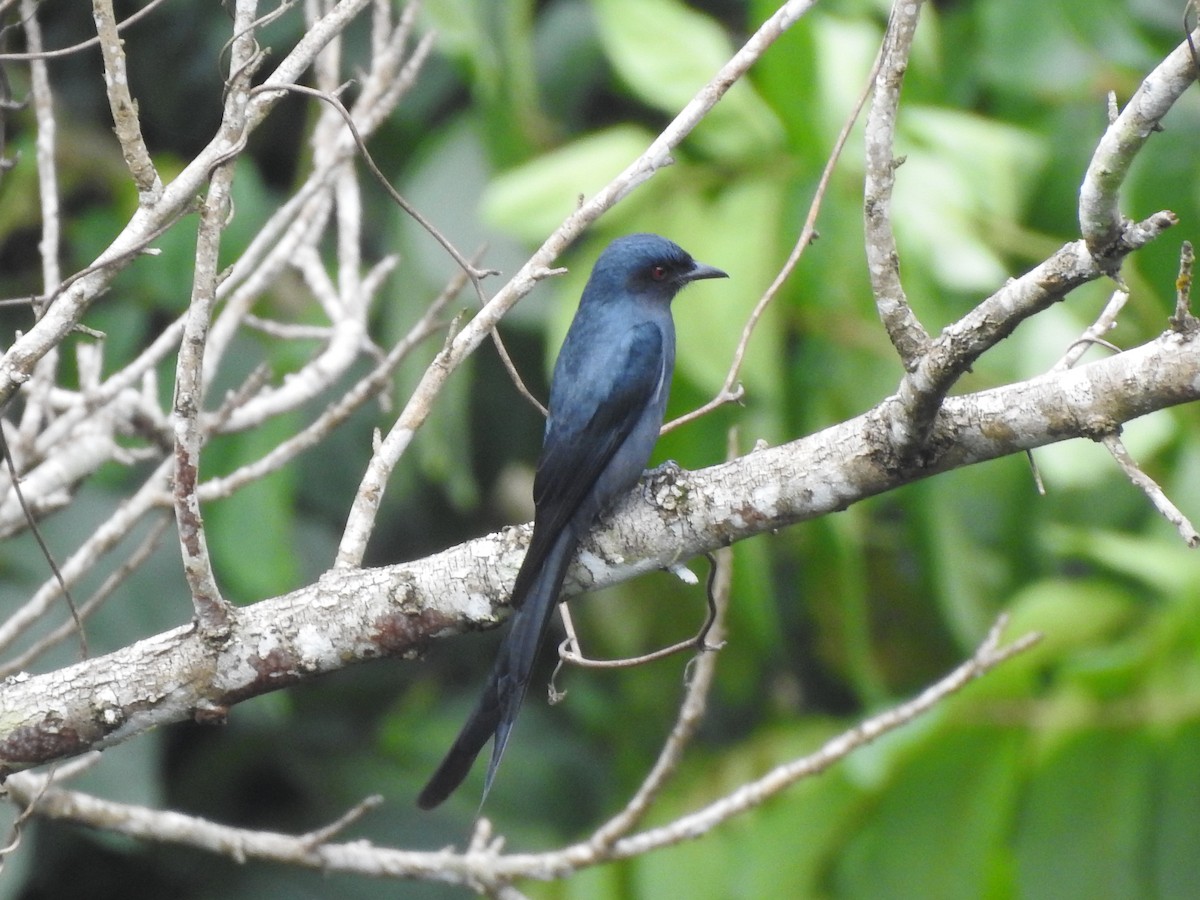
(608, 396)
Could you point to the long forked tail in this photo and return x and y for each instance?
(497, 708)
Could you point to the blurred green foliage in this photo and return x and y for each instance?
(1073, 771)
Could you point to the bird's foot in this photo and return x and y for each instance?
(666, 485)
(667, 468)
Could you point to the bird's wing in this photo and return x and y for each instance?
(580, 445)
(582, 442)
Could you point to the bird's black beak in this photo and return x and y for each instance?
(700, 270)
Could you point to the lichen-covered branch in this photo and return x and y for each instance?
(353, 615)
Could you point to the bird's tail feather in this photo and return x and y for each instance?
(500, 701)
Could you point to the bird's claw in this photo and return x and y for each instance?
(667, 469)
(666, 485)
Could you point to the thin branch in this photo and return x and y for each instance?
(922, 392)
(59, 53)
(287, 331)
(1105, 322)
(124, 108)
(1093, 335)
(1182, 320)
(239, 844)
(1150, 488)
(19, 493)
(731, 391)
(514, 375)
(50, 246)
(326, 833)
(990, 654)
(213, 613)
(1100, 219)
(701, 674)
(570, 651)
(473, 273)
(111, 532)
(907, 334)
(114, 580)
(351, 615)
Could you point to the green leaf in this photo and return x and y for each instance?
(1176, 817)
(965, 777)
(1082, 827)
(531, 200)
(1153, 560)
(1068, 614)
(665, 53)
(962, 175)
(710, 316)
(251, 534)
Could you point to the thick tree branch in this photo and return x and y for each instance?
(483, 866)
(922, 391)
(352, 615)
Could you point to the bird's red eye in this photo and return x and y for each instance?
(658, 273)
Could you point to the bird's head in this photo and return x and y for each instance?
(648, 265)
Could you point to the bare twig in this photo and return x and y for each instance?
(476, 275)
(1106, 231)
(76, 618)
(921, 392)
(325, 834)
(1105, 322)
(1150, 488)
(571, 653)
(991, 653)
(1182, 319)
(514, 375)
(128, 127)
(61, 52)
(50, 247)
(701, 674)
(151, 494)
(731, 391)
(114, 580)
(483, 864)
(907, 334)
(511, 367)
(213, 613)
